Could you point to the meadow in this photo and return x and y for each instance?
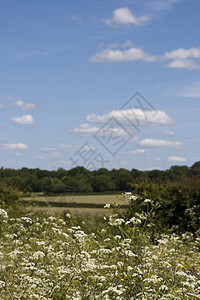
(110, 256)
(91, 205)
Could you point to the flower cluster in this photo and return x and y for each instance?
(48, 258)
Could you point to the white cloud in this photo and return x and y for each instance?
(87, 148)
(179, 58)
(137, 115)
(18, 146)
(89, 129)
(27, 119)
(1, 106)
(168, 132)
(183, 53)
(159, 143)
(112, 56)
(183, 64)
(176, 159)
(2, 125)
(138, 151)
(85, 128)
(183, 58)
(124, 16)
(23, 105)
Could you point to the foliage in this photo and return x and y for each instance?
(85, 181)
(8, 197)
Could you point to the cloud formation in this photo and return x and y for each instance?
(89, 129)
(182, 53)
(176, 159)
(183, 64)
(180, 58)
(23, 105)
(85, 128)
(24, 120)
(159, 143)
(168, 132)
(124, 16)
(18, 146)
(137, 151)
(137, 115)
(113, 56)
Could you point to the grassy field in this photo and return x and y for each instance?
(84, 211)
(79, 204)
(92, 199)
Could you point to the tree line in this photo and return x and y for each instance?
(82, 180)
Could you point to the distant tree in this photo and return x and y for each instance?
(195, 168)
(101, 183)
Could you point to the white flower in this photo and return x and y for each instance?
(147, 200)
(38, 254)
(107, 206)
(2, 284)
(163, 288)
(117, 237)
(3, 213)
(134, 198)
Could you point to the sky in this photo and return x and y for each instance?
(99, 84)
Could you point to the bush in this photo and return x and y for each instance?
(8, 197)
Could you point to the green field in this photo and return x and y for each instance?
(72, 210)
(94, 199)
(79, 204)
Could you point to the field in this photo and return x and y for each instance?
(92, 199)
(77, 204)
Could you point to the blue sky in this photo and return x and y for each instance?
(68, 69)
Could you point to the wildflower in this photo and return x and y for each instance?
(134, 198)
(2, 284)
(107, 206)
(147, 200)
(129, 268)
(3, 213)
(38, 254)
(117, 237)
(163, 288)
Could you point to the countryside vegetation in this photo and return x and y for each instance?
(146, 244)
